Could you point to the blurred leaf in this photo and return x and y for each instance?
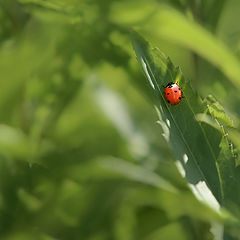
(13, 142)
(114, 107)
(142, 10)
(30, 201)
(137, 173)
(212, 12)
(62, 5)
(171, 231)
(172, 26)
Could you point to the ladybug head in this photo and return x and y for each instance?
(169, 85)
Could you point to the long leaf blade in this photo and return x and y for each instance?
(183, 132)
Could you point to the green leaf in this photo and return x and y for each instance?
(229, 176)
(217, 111)
(185, 135)
(170, 231)
(173, 26)
(137, 173)
(13, 142)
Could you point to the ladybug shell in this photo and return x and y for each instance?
(173, 93)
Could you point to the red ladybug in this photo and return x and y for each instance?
(173, 93)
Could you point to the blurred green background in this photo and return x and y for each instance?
(81, 155)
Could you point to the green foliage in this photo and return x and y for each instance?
(82, 155)
(181, 128)
(205, 153)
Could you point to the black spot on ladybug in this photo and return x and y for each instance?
(168, 93)
(179, 88)
(168, 101)
(175, 91)
(179, 98)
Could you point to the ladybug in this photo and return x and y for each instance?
(173, 93)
